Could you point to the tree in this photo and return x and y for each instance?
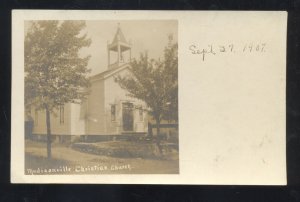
(55, 73)
(156, 83)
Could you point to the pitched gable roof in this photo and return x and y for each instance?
(109, 72)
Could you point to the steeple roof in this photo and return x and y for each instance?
(119, 36)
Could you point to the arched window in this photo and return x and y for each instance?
(36, 117)
(141, 114)
(113, 112)
(61, 115)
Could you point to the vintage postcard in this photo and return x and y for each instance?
(148, 97)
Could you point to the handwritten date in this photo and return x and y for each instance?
(228, 48)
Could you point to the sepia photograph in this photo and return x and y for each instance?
(101, 97)
(95, 97)
(148, 97)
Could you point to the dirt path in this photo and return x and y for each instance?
(68, 161)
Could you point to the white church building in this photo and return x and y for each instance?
(107, 112)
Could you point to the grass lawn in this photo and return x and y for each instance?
(66, 160)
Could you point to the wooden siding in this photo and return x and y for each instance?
(95, 119)
(115, 95)
(57, 127)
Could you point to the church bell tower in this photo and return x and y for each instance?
(120, 49)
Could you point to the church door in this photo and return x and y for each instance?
(127, 116)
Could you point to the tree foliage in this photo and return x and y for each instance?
(55, 72)
(155, 82)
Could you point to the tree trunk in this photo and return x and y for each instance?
(150, 132)
(48, 133)
(158, 135)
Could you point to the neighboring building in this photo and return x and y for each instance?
(108, 111)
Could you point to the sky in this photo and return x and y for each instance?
(150, 36)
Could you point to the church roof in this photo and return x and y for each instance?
(110, 72)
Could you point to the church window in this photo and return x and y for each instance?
(141, 114)
(113, 112)
(36, 117)
(61, 114)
